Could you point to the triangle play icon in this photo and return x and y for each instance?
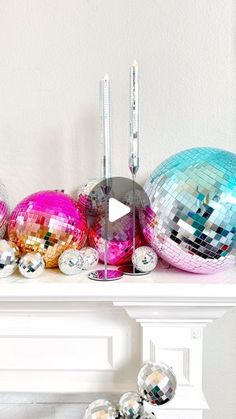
(117, 210)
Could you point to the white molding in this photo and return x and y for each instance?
(23, 353)
(159, 316)
(147, 314)
(173, 332)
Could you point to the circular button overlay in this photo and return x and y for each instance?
(116, 197)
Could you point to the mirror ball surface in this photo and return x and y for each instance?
(191, 221)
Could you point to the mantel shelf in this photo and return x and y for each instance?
(167, 285)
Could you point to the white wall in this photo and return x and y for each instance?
(52, 54)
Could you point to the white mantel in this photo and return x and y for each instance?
(72, 335)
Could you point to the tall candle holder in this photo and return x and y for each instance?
(133, 154)
(105, 274)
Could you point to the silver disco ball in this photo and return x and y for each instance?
(131, 405)
(31, 265)
(91, 199)
(90, 257)
(70, 262)
(144, 259)
(100, 409)
(157, 383)
(9, 254)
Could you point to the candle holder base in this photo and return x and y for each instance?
(130, 270)
(103, 275)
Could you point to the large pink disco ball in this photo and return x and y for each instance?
(120, 239)
(47, 222)
(191, 221)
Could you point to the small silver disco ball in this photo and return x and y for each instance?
(131, 405)
(90, 257)
(31, 265)
(71, 262)
(8, 258)
(144, 259)
(100, 409)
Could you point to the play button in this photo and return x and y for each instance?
(116, 196)
(117, 210)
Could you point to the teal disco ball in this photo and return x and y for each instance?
(191, 221)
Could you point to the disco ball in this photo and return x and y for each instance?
(144, 259)
(120, 241)
(90, 257)
(31, 265)
(100, 409)
(70, 262)
(91, 198)
(156, 383)
(131, 405)
(47, 222)
(4, 211)
(191, 221)
(9, 255)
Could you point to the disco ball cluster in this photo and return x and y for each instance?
(31, 265)
(73, 261)
(46, 229)
(156, 386)
(191, 221)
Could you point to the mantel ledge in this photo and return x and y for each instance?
(162, 289)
